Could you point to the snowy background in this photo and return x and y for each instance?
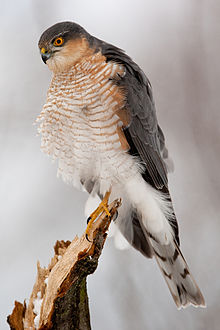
(177, 44)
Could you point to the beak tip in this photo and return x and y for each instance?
(45, 57)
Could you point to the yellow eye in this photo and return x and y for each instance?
(58, 41)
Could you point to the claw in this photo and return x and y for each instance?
(103, 207)
(88, 238)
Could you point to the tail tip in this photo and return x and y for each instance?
(196, 302)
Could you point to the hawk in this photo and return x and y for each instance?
(99, 122)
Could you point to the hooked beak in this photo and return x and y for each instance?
(45, 55)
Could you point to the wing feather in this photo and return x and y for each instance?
(143, 134)
(143, 129)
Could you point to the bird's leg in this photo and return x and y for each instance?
(103, 207)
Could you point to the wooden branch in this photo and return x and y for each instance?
(59, 298)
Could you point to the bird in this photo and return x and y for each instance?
(99, 122)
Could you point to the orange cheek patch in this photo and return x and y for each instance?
(72, 53)
(75, 49)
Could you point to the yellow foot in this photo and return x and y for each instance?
(103, 207)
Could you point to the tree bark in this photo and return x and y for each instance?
(59, 298)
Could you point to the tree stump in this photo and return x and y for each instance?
(59, 298)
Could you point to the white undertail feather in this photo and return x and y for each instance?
(153, 208)
(154, 211)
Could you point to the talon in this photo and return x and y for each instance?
(115, 217)
(103, 207)
(88, 238)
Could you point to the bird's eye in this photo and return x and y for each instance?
(58, 41)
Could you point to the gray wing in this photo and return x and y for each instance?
(143, 134)
(143, 130)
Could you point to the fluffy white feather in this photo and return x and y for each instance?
(153, 208)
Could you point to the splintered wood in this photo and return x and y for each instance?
(59, 297)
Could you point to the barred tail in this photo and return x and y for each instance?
(175, 270)
(147, 220)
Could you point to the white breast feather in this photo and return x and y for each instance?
(78, 125)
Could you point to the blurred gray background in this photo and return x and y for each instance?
(177, 44)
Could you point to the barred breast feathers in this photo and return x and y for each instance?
(80, 124)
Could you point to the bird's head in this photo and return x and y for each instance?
(63, 45)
